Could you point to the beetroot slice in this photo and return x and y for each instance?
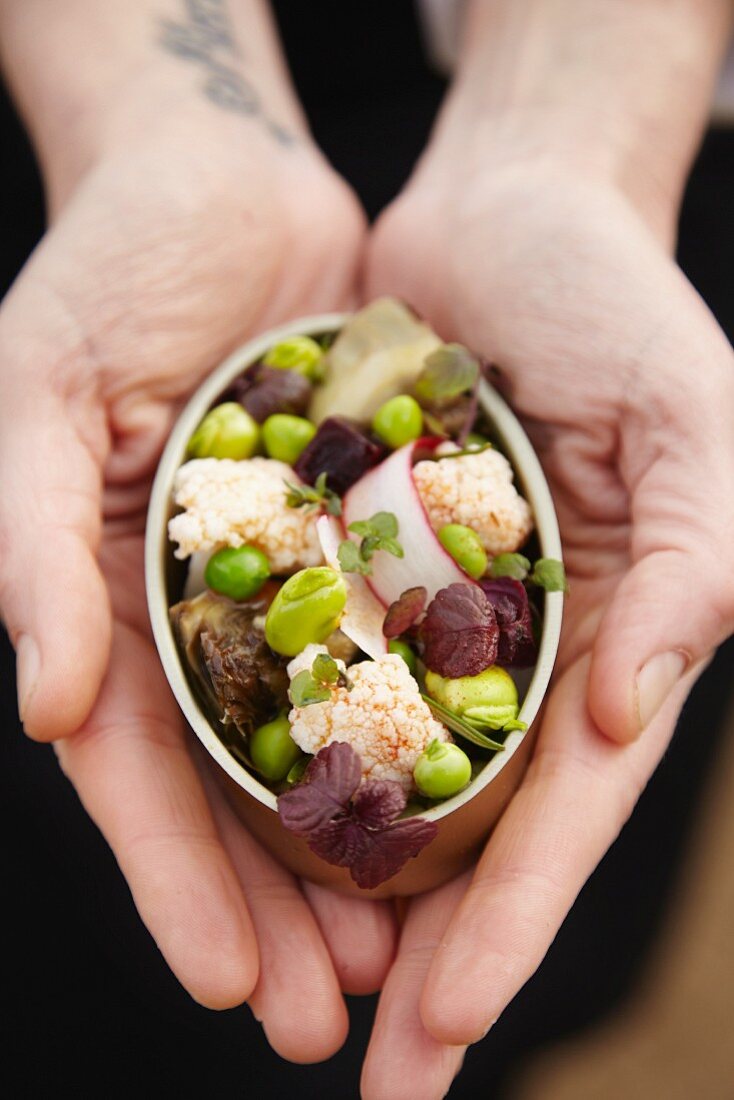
(341, 450)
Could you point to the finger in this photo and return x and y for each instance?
(677, 602)
(52, 596)
(361, 936)
(577, 794)
(403, 1061)
(132, 770)
(297, 998)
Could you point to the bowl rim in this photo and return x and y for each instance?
(520, 452)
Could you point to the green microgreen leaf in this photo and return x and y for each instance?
(325, 669)
(510, 565)
(305, 690)
(548, 573)
(447, 373)
(313, 497)
(392, 546)
(314, 685)
(376, 533)
(351, 559)
(459, 726)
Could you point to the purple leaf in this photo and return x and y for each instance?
(342, 842)
(372, 855)
(348, 825)
(389, 850)
(404, 611)
(378, 802)
(509, 601)
(460, 632)
(328, 783)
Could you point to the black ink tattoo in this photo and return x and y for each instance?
(205, 37)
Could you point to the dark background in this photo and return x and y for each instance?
(91, 1008)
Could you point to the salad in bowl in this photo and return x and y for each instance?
(354, 578)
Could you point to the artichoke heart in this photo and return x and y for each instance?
(240, 680)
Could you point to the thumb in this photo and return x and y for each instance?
(53, 598)
(676, 604)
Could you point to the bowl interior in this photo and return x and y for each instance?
(164, 574)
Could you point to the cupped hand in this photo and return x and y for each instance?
(626, 385)
(165, 254)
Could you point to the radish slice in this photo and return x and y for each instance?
(195, 582)
(389, 487)
(363, 614)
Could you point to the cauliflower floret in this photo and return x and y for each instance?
(383, 718)
(231, 503)
(477, 491)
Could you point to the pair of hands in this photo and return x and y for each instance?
(160, 259)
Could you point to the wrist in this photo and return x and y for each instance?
(619, 93)
(95, 80)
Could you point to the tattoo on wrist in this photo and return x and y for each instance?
(204, 36)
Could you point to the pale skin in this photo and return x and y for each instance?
(571, 140)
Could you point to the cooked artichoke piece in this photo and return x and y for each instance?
(341, 648)
(240, 680)
(379, 353)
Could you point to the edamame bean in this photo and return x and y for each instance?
(299, 353)
(403, 650)
(237, 571)
(286, 436)
(272, 749)
(490, 698)
(398, 421)
(306, 609)
(442, 770)
(228, 431)
(465, 547)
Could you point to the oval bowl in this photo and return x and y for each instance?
(465, 821)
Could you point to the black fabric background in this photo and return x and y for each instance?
(90, 1007)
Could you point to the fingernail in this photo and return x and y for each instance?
(655, 681)
(28, 670)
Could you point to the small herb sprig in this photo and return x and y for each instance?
(547, 573)
(313, 497)
(315, 685)
(379, 532)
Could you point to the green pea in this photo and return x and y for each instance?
(465, 547)
(306, 609)
(285, 436)
(490, 698)
(398, 421)
(228, 431)
(403, 650)
(237, 571)
(475, 441)
(299, 353)
(442, 770)
(272, 749)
